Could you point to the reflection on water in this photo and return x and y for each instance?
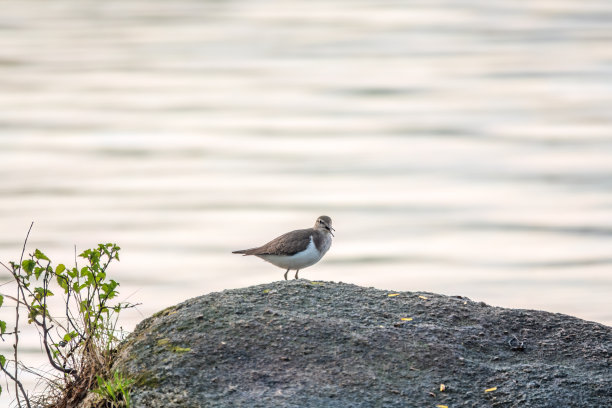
(461, 148)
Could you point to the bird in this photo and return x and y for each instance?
(296, 249)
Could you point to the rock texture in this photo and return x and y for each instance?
(325, 344)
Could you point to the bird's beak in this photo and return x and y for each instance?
(330, 229)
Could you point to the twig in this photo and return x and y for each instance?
(102, 304)
(46, 330)
(70, 371)
(16, 378)
(69, 317)
(17, 384)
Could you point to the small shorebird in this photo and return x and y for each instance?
(296, 249)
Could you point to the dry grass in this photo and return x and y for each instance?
(69, 391)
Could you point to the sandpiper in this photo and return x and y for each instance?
(297, 249)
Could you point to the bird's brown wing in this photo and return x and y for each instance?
(287, 244)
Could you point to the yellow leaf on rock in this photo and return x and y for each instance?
(407, 319)
(442, 406)
(442, 387)
(423, 297)
(393, 294)
(491, 389)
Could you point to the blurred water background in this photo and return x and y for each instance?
(461, 147)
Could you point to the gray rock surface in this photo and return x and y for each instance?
(324, 344)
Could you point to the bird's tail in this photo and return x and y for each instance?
(243, 251)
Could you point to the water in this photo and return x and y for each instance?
(460, 147)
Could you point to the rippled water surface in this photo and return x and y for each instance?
(460, 147)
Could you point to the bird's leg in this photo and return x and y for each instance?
(296, 272)
(286, 274)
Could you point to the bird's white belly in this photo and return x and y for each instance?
(300, 260)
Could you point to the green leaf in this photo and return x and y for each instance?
(28, 265)
(60, 268)
(104, 249)
(63, 282)
(40, 255)
(2, 360)
(73, 273)
(40, 292)
(85, 271)
(94, 258)
(109, 289)
(37, 271)
(2, 326)
(1, 300)
(100, 277)
(34, 312)
(69, 336)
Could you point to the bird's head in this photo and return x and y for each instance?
(324, 223)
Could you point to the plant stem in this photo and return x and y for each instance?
(15, 349)
(15, 345)
(17, 384)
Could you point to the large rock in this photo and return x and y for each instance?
(324, 344)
